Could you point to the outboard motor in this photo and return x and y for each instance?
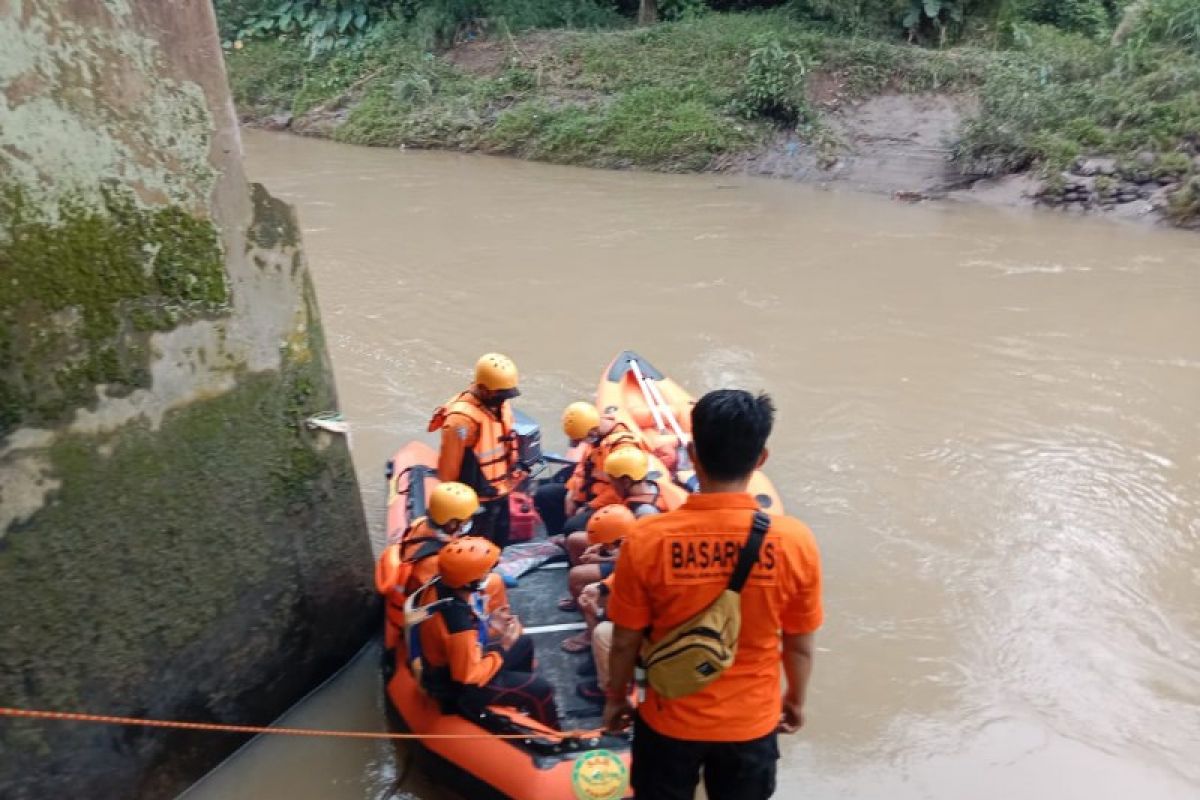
(529, 439)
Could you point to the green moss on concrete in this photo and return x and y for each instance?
(145, 554)
(83, 286)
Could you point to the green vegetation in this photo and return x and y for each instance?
(669, 97)
(325, 25)
(1057, 96)
(1054, 80)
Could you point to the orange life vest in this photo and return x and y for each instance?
(647, 492)
(402, 568)
(494, 451)
(409, 564)
(588, 478)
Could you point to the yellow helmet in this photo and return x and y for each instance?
(452, 500)
(578, 420)
(627, 462)
(496, 372)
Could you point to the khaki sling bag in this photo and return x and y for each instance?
(693, 654)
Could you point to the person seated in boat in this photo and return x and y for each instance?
(459, 665)
(410, 563)
(478, 444)
(629, 485)
(605, 531)
(564, 507)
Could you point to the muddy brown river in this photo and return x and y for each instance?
(990, 418)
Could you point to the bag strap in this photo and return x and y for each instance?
(749, 554)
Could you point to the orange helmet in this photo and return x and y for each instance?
(497, 373)
(627, 462)
(609, 524)
(467, 560)
(578, 420)
(452, 500)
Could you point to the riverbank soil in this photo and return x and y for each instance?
(1088, 124)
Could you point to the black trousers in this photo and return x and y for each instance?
(515, 685)
(669, 769)
(550, 498)
(495, 521)
(579, 520)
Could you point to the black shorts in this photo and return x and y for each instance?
(665, 768)
(606, 568)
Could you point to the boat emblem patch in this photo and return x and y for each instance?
(599, 775)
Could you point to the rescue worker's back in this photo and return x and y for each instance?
(671, 568)
(675, 564)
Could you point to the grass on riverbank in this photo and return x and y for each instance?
(675, 95)
(669, 97)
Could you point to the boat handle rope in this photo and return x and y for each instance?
(104, 719)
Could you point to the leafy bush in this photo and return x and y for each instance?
(266, 77)
(325, 25)
(440, 22)
(773, 84)
(1068, 94)
(321, 24)
(938, 16)
(232, 14)
(1172, 22)
(1171, 165)
(1184, 204)
(682, 9)
(921, 20)
(1089, 17)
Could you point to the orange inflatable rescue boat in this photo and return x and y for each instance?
(648, 401)
(507, 754)
(540, 763)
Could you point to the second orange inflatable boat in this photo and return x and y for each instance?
(647, 400)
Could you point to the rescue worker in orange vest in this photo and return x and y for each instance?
(409, 564)
(479, 446)
(628, 485)
(563, 507)
(458, 664)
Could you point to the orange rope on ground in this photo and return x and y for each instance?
(29, 713)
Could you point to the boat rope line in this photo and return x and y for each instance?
(103, 719)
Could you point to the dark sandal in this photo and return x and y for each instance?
(577, 644)
(591, 692)
(567, 604)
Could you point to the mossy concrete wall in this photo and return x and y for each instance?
(174, 541)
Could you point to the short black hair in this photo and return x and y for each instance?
(730, 429)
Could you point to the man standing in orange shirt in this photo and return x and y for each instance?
(673, 566)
